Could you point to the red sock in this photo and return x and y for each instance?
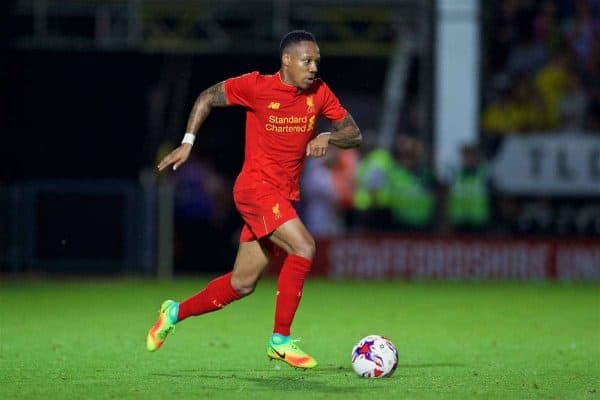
(289, 291)
(216, 295)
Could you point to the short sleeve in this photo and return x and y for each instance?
(240, 90)
(332, 109)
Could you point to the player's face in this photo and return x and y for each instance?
(301, 64)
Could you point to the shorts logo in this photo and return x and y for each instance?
(276, 211)
(273, 105)
(310, 105)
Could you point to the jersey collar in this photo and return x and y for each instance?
(285, 86)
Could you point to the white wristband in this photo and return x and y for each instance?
(188, 138)
(324, 133)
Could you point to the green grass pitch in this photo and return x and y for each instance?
(86, 340)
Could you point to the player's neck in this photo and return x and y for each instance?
(285, 78)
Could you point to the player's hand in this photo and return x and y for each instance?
(318, 146)
(176, 157)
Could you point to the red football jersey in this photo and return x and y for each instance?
(280, 121)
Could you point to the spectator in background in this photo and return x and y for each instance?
(412, 202)
(321, 204)
(518, 109)
(373, 187)
(203, 209)
(468, 200)
(344, 182)
(551, 82)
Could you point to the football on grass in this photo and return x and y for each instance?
(374, 356)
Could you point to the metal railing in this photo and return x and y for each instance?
(347, 27)
(83, 227)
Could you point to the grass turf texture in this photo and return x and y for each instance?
(75, 340)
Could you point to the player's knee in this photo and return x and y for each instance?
(243, 286)
(244, 291)
(306, 248)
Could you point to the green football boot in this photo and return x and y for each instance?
(285, 349)
(167, 318)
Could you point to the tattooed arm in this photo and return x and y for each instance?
(214, 96)
(344, 134)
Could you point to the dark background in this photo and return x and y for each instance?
(85, 114)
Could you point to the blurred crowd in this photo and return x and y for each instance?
(541, 67)
(375, 189)
(540, 74)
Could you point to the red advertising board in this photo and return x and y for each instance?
(385, 256)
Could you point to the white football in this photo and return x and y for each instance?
(374, 356)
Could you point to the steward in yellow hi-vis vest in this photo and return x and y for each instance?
(373, 191)
(374, 180)
(412, 201)
(468, 202)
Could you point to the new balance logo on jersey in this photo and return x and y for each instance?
(273, 105)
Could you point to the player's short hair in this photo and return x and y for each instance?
(295, 37)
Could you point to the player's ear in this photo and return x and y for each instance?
(285, 59)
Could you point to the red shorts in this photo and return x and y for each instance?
(263, 210)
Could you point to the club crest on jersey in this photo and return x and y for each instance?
(310, 105)
(273, 105)
(276, 211)
(311, 123)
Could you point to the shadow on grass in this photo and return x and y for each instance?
(322, 370)
(309, 383)
(330, 369)
(274, 367)
(327, 379)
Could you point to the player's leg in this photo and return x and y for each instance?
(296, 241)
(270, 215)
(294, 238)
(251, 261)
